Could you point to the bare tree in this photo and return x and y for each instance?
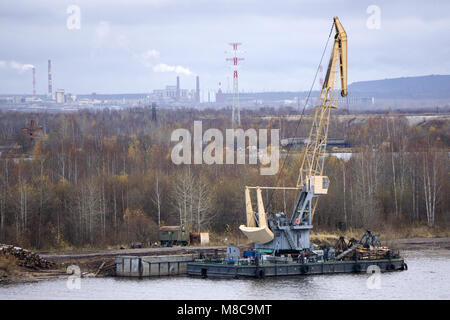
(3, 199)
(157, 200)
(203, 205)
(182, 195)
(431, 185)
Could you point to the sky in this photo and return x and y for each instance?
(136, 46)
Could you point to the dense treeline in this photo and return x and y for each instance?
(106, 177)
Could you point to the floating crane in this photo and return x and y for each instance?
(280, 233)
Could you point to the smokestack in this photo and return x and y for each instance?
(50, 90)
(178, 88)
(219, 94)
(34, 82)
(197, 90)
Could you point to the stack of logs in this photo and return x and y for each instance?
(106, 268)
(25, 258)
(372, 253)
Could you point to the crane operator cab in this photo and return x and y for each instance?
(319, 184)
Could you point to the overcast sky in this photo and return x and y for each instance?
(135, 46)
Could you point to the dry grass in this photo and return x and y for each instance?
(228, 238)
(8, 267)
(87, 248)
(417, 231)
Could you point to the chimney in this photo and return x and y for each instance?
(178, 88)
(50, 90)
(219, 96)
(197, 90)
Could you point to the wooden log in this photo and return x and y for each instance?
(100, 268)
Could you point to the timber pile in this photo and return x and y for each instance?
(25, 258)
(372, 253)
(346, 254)
(368, 248)
(107, 269)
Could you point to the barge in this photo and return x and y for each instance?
(363, 256)
(149, 266)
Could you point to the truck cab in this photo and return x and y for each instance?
(173, 235)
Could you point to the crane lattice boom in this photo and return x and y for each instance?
(312, 157)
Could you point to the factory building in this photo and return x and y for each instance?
(174, 93)
(60, 98)
(219, 96)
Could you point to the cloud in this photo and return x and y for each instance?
(101, 35)
(148, 58)
(162, 67)
(122, 41)
(19, 66)
(2, 64)
(102, 29)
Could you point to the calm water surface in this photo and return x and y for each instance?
(428, 277)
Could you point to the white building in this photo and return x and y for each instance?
(59, 93)
(169, 94)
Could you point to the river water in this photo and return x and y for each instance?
(427, 277)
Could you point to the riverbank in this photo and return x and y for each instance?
(413, 237)
(420, 243)
(91, 263)
(12, 273)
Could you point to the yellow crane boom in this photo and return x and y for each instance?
(312, 156)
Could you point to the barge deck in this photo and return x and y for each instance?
(222, 270)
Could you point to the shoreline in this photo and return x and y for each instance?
(416, 243)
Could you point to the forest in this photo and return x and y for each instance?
(101, 178)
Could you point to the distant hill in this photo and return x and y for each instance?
(424, 87)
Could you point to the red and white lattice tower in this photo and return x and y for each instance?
(236, 109)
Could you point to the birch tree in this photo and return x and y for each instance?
(431, 185)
